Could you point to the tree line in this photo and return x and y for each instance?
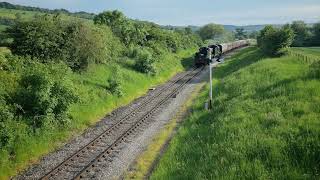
(273, 41)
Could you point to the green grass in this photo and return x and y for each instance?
(95, 103)
(264, 124)
(308, 50)
(27, 15)
(11, 13)
(2, 28)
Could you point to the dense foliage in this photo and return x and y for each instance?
(305, 35)
(33, 96)
(151, 39)
(50, 39)
(211, 31)
(272, 40)
(315, 39)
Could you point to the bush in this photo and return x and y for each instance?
(272, 41)
(84, 45)
(76, 43)
(144, 62)
(115, 83)
(6, 116)
(43, 99)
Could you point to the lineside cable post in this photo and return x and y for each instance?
(210, 93)
(209, 53)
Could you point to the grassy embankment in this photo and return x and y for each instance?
(95, 103)
(264, 124)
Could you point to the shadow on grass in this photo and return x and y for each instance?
(97, 85)
(242, 59)
(188, 62)
(128, 64)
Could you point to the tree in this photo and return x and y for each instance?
(301, 33)
(110, 18)
(316, 34)
(130, 32)
(41, 38)
(188, 30)
(49, 39)
(211, 31)
(240, 33)
(253, 35)
(272, 40)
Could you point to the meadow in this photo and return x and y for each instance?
(264, 123)
(308, 50)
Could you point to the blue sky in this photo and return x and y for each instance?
(196, 12)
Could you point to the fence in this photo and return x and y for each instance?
(306, 58)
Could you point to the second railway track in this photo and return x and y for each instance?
(84, 162)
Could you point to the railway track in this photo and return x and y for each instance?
(85, 162)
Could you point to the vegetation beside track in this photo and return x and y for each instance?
(264, 123)
(60, 74)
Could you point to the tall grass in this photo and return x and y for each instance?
(264, 124)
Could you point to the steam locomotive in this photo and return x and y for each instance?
(205, 54)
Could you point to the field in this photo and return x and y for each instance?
(264, 124)
(308, 50)
(27, 15)
(11, 13)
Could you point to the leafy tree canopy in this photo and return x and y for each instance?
(211, 31)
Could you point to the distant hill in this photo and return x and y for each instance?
(248, 28)
(80, 14)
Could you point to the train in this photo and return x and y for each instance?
(205, 55)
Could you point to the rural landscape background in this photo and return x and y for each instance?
(62, 70)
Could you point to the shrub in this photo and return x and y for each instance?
(42, 99)
(115, 83)
(6, 116)
(41, 38)
(84, 45)
(76, 43)
(144, 62)
(272, 41)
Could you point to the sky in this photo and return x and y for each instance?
(195, 12)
